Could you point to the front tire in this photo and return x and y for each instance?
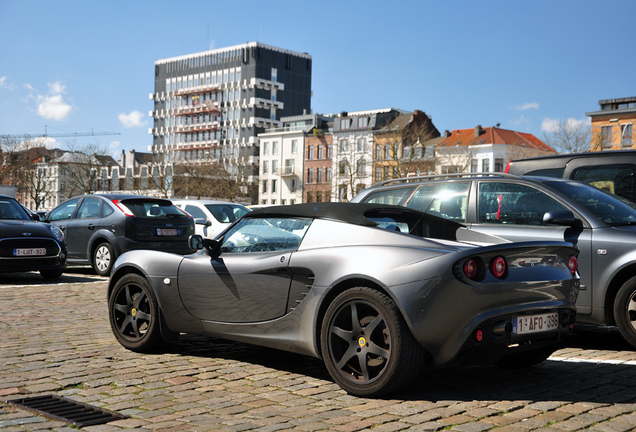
(103, 259)
(625, 311)
(134, 314)
(366, 345)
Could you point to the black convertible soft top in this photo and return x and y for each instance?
(363, 214)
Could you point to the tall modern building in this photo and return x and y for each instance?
(210, 106)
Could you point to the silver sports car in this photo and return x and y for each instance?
(374, 290)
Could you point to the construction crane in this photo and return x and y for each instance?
(68, 134)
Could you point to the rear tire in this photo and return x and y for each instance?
(103, 259)
(366, 345)
(625, 311)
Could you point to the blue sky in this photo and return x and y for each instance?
(82, 66)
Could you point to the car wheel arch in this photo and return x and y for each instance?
(334, 292)
(167, 334)
(622, 276)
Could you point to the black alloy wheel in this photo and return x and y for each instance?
(367, 347)
(134, 315)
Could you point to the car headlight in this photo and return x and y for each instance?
(59, 235)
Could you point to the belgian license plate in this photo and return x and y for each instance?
(29, 252)
(535, 323)
(166, 232)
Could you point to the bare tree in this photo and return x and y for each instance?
(79, 168)
(568, 136)
(161, 174)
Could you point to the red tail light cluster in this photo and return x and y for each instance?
(123, 208)
(474, 268)
(573, 264)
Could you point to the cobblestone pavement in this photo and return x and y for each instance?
(55, 339)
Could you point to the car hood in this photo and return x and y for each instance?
(24, 228)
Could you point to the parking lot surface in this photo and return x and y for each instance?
(55, 339)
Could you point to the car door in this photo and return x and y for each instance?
(82, 226)
(249, 279)
(515, 212)
(62, 216)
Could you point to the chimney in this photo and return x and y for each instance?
(478, 131)
(447, 133)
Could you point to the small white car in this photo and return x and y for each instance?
(211, 217)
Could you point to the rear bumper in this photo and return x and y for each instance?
(177, 247)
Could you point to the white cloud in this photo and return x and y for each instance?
(2, 81)
(553, 125)
(134, 119)
(53, 106)
(527, 106)
(521, 120)
(114, 150)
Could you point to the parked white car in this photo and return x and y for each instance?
(211, 217)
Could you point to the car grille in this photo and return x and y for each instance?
(7, 246)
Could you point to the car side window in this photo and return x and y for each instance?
(513, 204)
(270, 234)
(448, 200)
(195, 212)
(65, 211)
(390, 196)
(90, 208)
(616, 179)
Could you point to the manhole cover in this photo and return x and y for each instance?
(66, 410)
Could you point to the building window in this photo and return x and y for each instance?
(363, 122)
(275, 148)
(265, 148)
(485, 165)
(310, 175)
(289, 166)
(274, 74)
(265, 167)
(342, 192)
(294, 146)
(474, 165)
(361, 145)
(273, 186)
(343, 168)
(274, 167)
(345, 123)
(320, 175)
(606, 136)
(378, 174)
(499, 165)
(450, 169)
(361, 167)
(627, 135)
(264, 186)
(378, 152)
(387, 173)
(310, 152)
(328, 179)
(292, 187)
(321, 152)
(329, 152)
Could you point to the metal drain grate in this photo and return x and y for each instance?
(66, 410)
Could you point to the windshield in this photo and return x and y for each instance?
(10, 209)
(608, 208)
(227, 213)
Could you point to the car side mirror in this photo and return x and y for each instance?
(213, 246)
(36, 217)
(561, 217)
(195, 242)
(202, 221)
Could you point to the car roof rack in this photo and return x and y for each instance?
(445, 176)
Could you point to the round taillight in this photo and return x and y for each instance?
(479, 335)
(471, 268)
(573, 264)
(498, 267)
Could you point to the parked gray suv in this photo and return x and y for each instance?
(519, 208)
